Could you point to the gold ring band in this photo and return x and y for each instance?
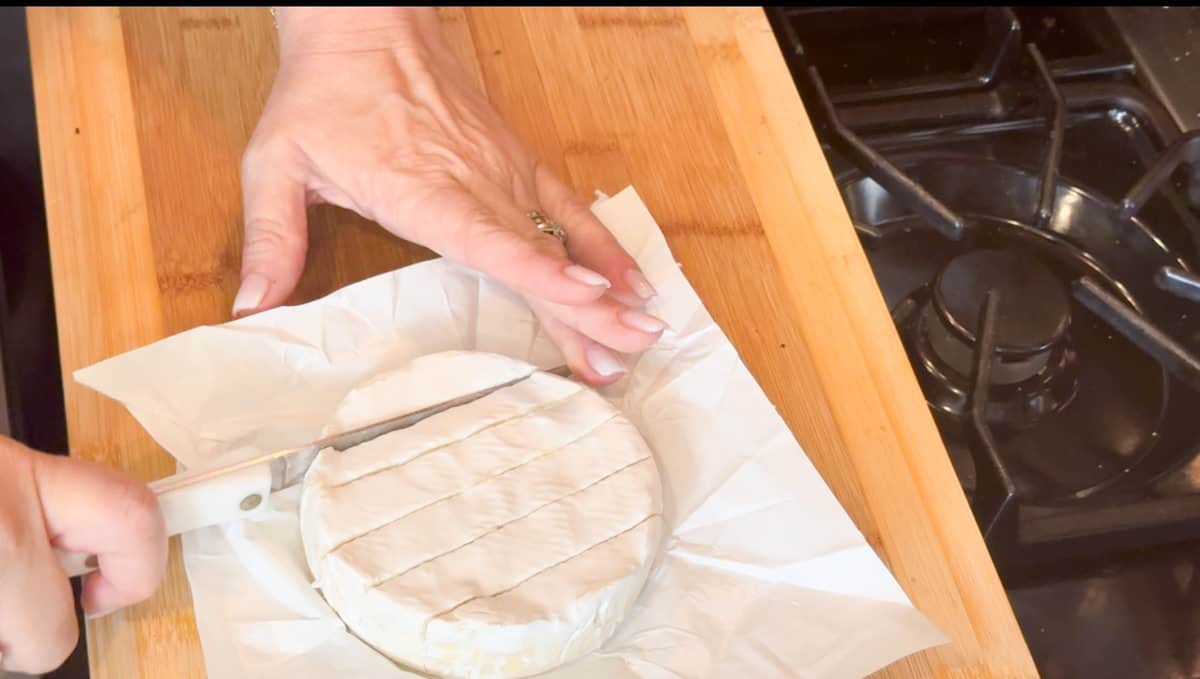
(546, 226)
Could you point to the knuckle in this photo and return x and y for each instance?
(266, 238)
(263, 149)
(140, 511)
(136, 507)
(254, 156)
(249, 161)
(139, 506)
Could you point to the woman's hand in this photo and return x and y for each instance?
(371, 111)
(49, 501)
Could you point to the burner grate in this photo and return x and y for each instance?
(1112, 263)
(995, 493)
(1178, 282)
(915, 198)
(1058, 110)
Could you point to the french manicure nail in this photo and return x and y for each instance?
(586, 276)
(640, 320)
(96, 614)
(637, 280)
(603, 362)
(251, 294)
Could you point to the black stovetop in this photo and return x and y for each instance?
(1020, 183)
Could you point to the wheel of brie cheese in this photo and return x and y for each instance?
(501, 538)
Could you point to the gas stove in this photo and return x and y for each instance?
(1025, 184)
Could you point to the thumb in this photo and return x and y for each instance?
(276, 236)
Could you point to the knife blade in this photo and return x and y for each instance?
(209, 496)
(289, 465)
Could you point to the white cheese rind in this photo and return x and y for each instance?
(459, 372)
(499, 539)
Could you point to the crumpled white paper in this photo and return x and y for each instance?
(763, 576)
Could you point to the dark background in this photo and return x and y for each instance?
(31, 406)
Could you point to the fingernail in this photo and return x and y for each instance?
(97, 614)
(251, 294)
(639, 320)
(586, 276)
(640, 284)
(603, 362)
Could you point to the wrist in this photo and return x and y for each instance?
(333, 29)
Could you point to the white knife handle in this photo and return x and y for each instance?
(188, 505)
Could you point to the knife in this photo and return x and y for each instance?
(210, 496)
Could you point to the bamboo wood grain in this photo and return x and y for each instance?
(142, 117)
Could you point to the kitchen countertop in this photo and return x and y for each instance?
(142, 117)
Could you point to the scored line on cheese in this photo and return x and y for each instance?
(484, 426)
(457, 466)
(502, 526)
(580, 553)
(524, 548)
(599, 568)
(497, 539)
(537, 391)
(451, 496)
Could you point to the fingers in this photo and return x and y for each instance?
(588, 360)
(589, 242)
(521, 258)
(89, 508)
(610, 323)
(37, 609)
(276, 229)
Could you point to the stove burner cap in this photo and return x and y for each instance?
(1034, 309)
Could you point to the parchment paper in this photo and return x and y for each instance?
(764, 574)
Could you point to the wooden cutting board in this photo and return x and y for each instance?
(143, 114)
